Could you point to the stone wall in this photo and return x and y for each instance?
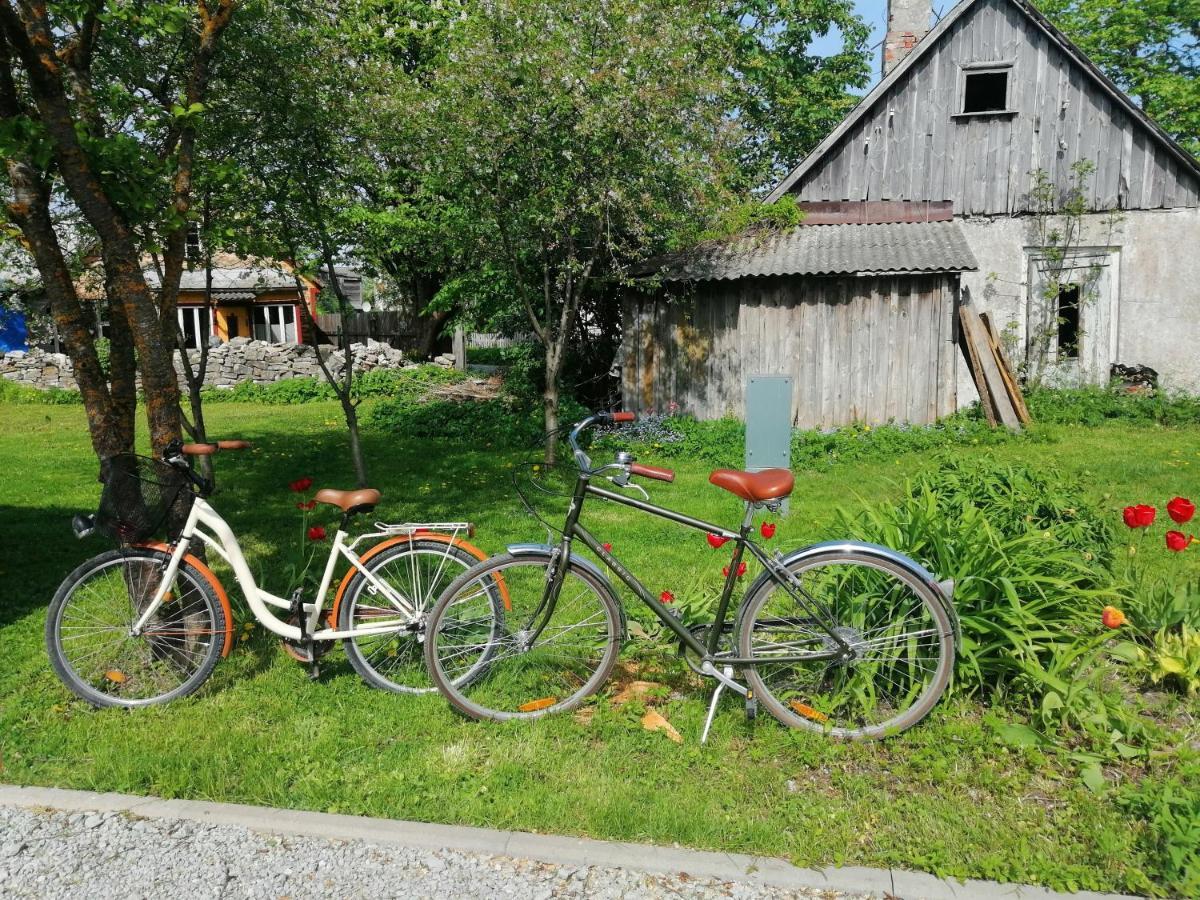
(241, 359)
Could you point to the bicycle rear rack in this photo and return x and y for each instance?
(414, 529)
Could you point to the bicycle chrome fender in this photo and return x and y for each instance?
(943, 590)
(583, 563)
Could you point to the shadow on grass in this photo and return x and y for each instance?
(420, 481)
(37, 552)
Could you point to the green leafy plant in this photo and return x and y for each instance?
(1098, 405)
(1175, 659)
(723, 441)
(1028, 555)
(1169, 809)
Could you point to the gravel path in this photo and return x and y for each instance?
(119, 855)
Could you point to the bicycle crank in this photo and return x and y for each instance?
(306, 652)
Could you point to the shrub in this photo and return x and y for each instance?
(487, 356)
(494, 423)
(1097, 405)
(721, 442)
(12, 392)
(1028, 557)
(410, 385)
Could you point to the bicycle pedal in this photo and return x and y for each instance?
(314, 672)
(751, 707)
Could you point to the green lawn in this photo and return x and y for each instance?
(944, 797)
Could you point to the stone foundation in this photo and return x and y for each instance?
(239, 360)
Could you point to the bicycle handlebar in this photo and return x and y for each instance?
(175, 452)
(654, 472)
(633, 468)
(208, 449)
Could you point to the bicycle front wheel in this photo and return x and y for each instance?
(418, 570)
(548, 656)
(900, 640)
(89, 625)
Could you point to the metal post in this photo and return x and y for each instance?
(769, 423)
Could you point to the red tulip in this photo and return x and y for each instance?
(1177, 541)
(1139, 516)
(715, 541)
(316, 533)
(306, 504)
(300, 485)
(607, 548)
(767, 529)
(666, 597)
(1112, 617)
(741, 570)
(1181, 510)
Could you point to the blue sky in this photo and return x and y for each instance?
(874, 13)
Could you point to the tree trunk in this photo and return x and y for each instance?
(550, 399)
(356, 454)
(31, 36)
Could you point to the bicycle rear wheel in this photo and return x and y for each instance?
(544, 659)
(90, 618)
(419, 570)
(900, 637)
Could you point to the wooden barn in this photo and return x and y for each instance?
(968, 110)
(861, 316)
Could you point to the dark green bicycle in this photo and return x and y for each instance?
(846, 639)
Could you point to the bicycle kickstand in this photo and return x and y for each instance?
(712, 706)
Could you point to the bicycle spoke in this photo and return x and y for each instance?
(893, 656)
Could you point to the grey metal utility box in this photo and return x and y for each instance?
(769, 423)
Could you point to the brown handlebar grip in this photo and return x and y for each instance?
(624, 417)
(199, 449)
(652, 472)
(233, 445)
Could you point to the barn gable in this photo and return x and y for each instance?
(915, 136)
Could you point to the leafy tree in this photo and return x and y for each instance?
(287, 155)
(577, 137)
(787, 97)
(100, 105)
(1151, 49)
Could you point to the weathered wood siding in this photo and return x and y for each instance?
(910, 145)
(858, 349)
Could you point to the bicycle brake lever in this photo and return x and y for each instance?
(624, 482)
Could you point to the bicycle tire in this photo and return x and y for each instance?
(816, 712)
(383, 661)
(526, 685)
(190, 636)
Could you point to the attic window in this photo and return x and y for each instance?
(985, 90)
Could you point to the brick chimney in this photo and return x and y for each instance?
(908, 22)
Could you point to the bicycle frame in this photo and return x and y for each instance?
(707, 652)
(224, 543)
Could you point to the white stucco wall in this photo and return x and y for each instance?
(1156, 256)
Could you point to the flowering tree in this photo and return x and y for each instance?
(578, 136)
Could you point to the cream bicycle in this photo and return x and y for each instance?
(147, 623)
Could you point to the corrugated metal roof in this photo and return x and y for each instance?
(245, 277)
(829, 250)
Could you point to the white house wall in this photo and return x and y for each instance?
(1157, 307)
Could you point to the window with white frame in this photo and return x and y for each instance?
(275, 323)
(193, 325)
(985, 89)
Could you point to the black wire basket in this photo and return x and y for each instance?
(142, 498)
